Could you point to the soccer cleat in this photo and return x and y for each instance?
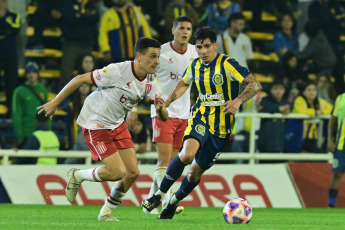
(72, 186)
(152, 202)
(154, 211)
(179, 209)
(168, 212)
(109, 217)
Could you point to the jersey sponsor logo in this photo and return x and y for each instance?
(171, 61)
(207, 96)
(128, 85)
(176, 76)
(213, 103)
(148, 88)
(217, 79)
(200, 129)
(98, 75)
(126, 101)
(100, 125)
(101, 147)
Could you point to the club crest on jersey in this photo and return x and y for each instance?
(104, 71)
(217, 79)
(148, 88)
(200, 129)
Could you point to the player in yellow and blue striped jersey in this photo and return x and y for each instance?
(336, 144)
(217, 78)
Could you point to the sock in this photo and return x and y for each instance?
(332, 196)
(88, 174)
(157, 179)
(112, 201)
(185, 188)
(174, 171)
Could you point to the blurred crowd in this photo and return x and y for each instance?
(301, 37)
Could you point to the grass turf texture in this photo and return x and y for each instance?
(85, 217)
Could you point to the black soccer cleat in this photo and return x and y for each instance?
(152, 202)
(168, 212)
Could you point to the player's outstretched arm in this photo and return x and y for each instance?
(50, 107)
(252, 87)
(161, 111)
(179, 90)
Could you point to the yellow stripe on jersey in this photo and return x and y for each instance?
(207, 85)
(219, 90)
(233, 71)
(341, 142)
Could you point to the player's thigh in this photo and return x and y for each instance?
(164, 151)
(175, 151)
(130, 160)
(114, 164)
(195, 172)
(189, 150)
(338, 165)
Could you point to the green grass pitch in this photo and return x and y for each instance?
(85, 217)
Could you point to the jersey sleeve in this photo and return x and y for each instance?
(188, 75)
(106, 76)
(153, 88)
(235, 70)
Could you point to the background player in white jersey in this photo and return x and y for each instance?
(120, 86)
(174, 60)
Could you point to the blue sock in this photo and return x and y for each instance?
(332, 196)
(174, 171)
(185, 188)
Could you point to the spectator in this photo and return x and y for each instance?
(141, 136)
(9, 28)
(329, 14)
(318, 49)
(219, 13)
(272, 131)
(235, 43)
(46, 15)
(26, 98)
(326, 88)
(21, 6)
(79, 22)
(175, 9)
(286, 39)
(42, 139)
(116, 39)
(308, 103)
(198, 6)
(291, 73)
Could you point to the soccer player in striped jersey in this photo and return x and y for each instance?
(336, 144)
(120, 86)
(174, 60)
(217, 78)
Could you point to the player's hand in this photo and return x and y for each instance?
(48, 109)
(331, 146)
(132, 117)
(231, 107)
(159, 102)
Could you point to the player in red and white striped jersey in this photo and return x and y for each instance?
(174, 60)
(120, 86)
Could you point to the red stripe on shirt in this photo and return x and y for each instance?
(93, 80)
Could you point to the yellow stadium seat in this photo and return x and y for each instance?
(3, 109)
(264, 78)
(266, 57)
(48, 32)
(248, 15)
(260, 36)
(267, 17)
(46, 53)
(32, 9)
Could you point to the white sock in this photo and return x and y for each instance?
(88, 174)
(174, 200)
(158, 176)
(112, 201)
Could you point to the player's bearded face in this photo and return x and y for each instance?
(150, 60)
(206, 50)
(182, 32)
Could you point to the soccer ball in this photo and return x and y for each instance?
(237, 211)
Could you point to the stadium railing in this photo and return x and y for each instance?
(252, 156)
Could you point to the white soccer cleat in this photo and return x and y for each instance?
(72, 186)
(109, 217)
(179, 209)
(154, 211)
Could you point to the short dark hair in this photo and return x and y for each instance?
(235, 16)
(182, 18)
(205, 32)
(144, 43)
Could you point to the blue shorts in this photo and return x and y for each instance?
(338, 161)
(210, 145)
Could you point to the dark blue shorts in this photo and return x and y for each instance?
(210, 145)
(338, 161)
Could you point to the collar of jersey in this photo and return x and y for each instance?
(212, 62)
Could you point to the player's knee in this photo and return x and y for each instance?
(118, 174)
(186, 158)
(133, 174)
